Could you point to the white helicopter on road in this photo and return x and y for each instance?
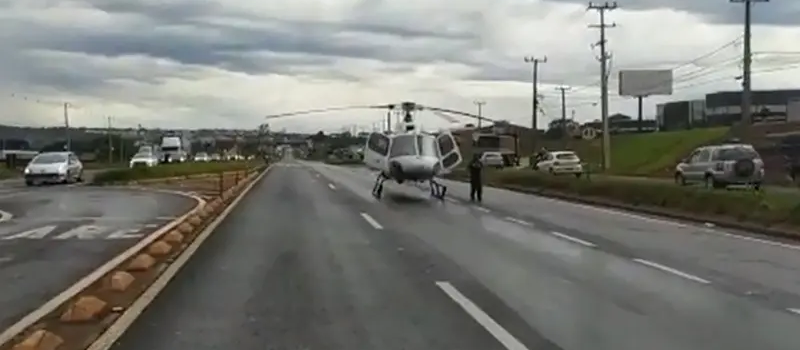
(409, 154)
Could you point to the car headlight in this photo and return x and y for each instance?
(62, 169)
(27, 170)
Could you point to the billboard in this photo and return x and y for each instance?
(645, 82)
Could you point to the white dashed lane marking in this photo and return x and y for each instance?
(672, 271)
(495, 329)
(573, 239)
(369, 219)
(518, 221)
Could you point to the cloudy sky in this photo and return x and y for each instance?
(214, 63)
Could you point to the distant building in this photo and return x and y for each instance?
(681, 115)
(725, 108)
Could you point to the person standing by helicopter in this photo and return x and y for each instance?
(475, 178)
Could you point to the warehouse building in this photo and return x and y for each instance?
(724, 108)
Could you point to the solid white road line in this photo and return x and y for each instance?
(372, 221)
(106, 340)
(331, 186)
(705, 227)
(518, 221)
(794, 311)
(573, 239)
(5, 259)
(496, 330)
(671, 270)
(483, 209)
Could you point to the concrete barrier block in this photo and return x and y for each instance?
(40, 340)
(185, 228)
(120, 281)
(173, 237)
(141, 262)
(86, 308)
(159, 248)
(195, 221)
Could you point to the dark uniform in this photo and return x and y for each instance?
(475, 179)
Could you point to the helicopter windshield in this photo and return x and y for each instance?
(403, 145)
(426, 144)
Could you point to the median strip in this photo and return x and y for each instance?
(75, 318)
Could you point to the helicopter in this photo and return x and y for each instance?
(409, 154)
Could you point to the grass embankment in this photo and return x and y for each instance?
(6, 173)
(775, 210)
(103, 165)
(649, 154)
(171, 170)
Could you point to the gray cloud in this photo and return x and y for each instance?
(181, 32)
(784, 13)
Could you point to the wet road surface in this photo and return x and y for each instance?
(52, 236)
(309, 260)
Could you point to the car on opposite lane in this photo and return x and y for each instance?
(144, 159)
(54, 167)
(560, 162)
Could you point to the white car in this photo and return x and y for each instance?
(54, 167)
(144, 159)
(561, 162)
(492, 159)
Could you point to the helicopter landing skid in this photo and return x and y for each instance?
(377, 189)
(438, 190)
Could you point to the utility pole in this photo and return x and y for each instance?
(480, 111)
(747, 60)
(110, 142)
(389, 121)
(564, 129)
(66, 127)
(534, 61)
(604, 57)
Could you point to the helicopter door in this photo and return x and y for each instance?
(376, 151)
(449, 155)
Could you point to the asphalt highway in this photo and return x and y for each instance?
(309, 260)
(52, 236)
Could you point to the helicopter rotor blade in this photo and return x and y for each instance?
(445, 117)
(324, 110)
(464, 114)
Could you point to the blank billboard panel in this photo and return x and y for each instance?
(645, 82)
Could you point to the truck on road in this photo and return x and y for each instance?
(175, 148)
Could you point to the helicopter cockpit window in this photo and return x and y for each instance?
(403, 145)
(427, 146)
(378, 143)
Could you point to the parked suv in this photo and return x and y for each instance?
(719, 166)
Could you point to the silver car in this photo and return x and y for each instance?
(719, 166)
(492, 159)
(54, 167)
